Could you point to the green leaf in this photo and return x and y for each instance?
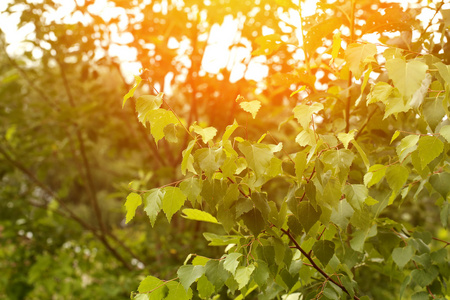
(213, 192)
(407, 76)
(204, 287)
(395, 104)
(402, 256)
(254, 221)
(396, 177)
(346, 138)
(441, 183)
(186, 155)
(407, 145)
(231, 262)
(375, 174)
(192, 188)
(429, 148)
(170, 133)
(258, 156)
(177, 291)
(324, 251)
(356, 195)
(433, 112)
(445, 132)
(362, 154)
(251, 107)
(152, 202)
(159, 119)
(147, 103)
(261, 274)
(304, 112)
(306, 137)
(132, 202)
(198, 215)
(229, 131)
(220, 240)
(133, 89)
(341, 216)
(425, 277)
(444, 71)
(380, 92)
(339, 160)
(189, 273)
(307, 215)
(154, 285)
(300, 164)
(394, 136)
(260, 202)
(172, 201)
(358, 56)
(243, 274)
(215, 273)
(360, 236)
(207, 133)
(210, 160)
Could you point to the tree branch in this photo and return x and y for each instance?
(315, 266)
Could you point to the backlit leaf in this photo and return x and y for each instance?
(159, 119)
(186, 155)
(152, 202)
(345, 138)
(379, 92)
(251, 107)
(147, 103)
(396, 177)
(258, 156)
(132, 90)
(177, 291)
(132, 202)
(375, 174)
(189, 273)
(358, 56)
(445, 132)
(198, 215)
(306, 137)
(243, 274)
(407, 145)
(407, 76)
(429, 148)
(154, 285)
(172, 201)
(231, 262)
(356, 195)
(207, 133)
(303, 113)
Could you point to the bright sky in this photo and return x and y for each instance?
(216, 55)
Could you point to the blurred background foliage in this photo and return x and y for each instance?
(68, 151)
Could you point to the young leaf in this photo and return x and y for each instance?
(396, 177)
(251, 107)
(429, 148)
(198, 215)
(172, 201)
(362, 154)
(394, 136)
(133, 89)
(445, 132)
(336, 45)
(407, 145)
(258, 156)
(147, 103)
(302, 88)
(243, 274)
(356, 195)
(207, 133)
(159, 119)
(407, 76)
(192, 188)
(375, 174)
(189, 273)
(229, 131)
(346, 138)
(231, 262)
(358, 55)
(379, 92)
(186, 154)
(304, 112)
(152, 202)
(306, 137)
(133, 201)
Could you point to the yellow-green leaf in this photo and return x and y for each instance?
(207, 133)
(251, 107)
(198, 215)
(172, 201)
(429, 148)
(133, 201)
(407, 76)
(346, 138)
(304, 112)
(358, 56)
(133, 89)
